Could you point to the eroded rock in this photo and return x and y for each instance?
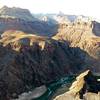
(85, 87)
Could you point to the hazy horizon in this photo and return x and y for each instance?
(70, 7)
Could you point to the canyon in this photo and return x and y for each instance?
(36, 52)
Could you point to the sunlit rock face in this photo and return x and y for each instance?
(80, 34)
(36, 60)
(28, 61)
(21, 19)
(85, 87)
(14, 12)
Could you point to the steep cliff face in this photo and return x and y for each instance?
(22, 19)
(80, 34)
(96, 28)
(85, 87)
(28, 60)
(35, 27)
(14, 12)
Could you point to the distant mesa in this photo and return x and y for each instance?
(37, 50)
(14, 12)
(43, 24)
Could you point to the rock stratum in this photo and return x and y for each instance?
(22, 20)
(28, 60)
(45, 25)
(80, 34)
(7, 12)
(85, 87)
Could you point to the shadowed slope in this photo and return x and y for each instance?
(27, 61)
(80, 35)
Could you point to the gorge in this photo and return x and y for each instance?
(36, 52)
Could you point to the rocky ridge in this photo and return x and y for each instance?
(49, 59)
(85, 87)
(80, 34)
(22, 20)
(18, 13)
(30, 61)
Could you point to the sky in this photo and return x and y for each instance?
(73, 7)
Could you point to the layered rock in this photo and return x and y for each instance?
(21, 19)
(85, 87)
(27, 61)
(80, 34)
(36, 27)
(18, 13)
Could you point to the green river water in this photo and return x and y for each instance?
(54, 86)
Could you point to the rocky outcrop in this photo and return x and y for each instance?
(36, 93)
(22, 20)
(35, 27)
(80, 34)
(18, 13)
(28, 61)
(96, 29)
(85, 87)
